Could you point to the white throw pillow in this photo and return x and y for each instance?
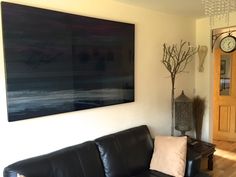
(169, 155)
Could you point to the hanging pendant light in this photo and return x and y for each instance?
(219, 10)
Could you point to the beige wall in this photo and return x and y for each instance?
(204, 80)
(32, 137)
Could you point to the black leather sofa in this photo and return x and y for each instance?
(123, 154)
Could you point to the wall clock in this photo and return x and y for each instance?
(228, 44)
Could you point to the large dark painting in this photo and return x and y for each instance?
(58, 62)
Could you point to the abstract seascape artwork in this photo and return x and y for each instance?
(58, 62)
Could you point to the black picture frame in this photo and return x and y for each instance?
(57, 62)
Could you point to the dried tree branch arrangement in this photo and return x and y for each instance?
(175, 59)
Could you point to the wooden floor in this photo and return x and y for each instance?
(224, 160)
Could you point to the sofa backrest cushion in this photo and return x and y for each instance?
(126, 153)
(76, 161)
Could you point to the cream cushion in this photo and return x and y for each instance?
(169, 155)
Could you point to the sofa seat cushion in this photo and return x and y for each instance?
(152, 173)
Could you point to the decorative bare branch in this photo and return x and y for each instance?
(176, 59)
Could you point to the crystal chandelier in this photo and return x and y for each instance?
(219, 10)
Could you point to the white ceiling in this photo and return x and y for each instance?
(191, 8)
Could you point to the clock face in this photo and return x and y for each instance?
(228, 44)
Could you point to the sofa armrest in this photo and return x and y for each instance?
(192, 163)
